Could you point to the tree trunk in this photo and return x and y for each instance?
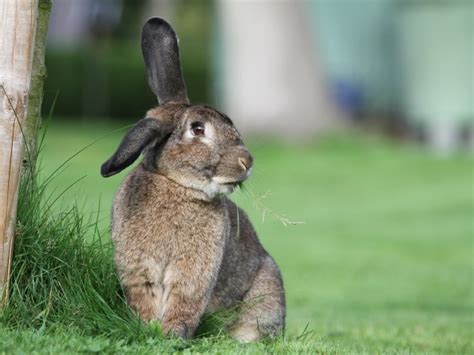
(22, 39)
(273, 78)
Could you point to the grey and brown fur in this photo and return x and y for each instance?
(182, 248)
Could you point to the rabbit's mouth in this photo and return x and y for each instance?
(228, 187)
(232, 185)
(223, 185)
(224, 181)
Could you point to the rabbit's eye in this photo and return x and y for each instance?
(197, 128)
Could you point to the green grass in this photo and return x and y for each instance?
(382, 263)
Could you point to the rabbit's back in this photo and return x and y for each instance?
(243, 258)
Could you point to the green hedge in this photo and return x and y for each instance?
(108, 79)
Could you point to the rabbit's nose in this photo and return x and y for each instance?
(246, 161)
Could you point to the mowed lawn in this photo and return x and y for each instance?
(382, 261)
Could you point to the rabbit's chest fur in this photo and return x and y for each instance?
(166, 237)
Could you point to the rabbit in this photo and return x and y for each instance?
(182, 248)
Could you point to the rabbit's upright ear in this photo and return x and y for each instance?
(161, 55)
(145, 132)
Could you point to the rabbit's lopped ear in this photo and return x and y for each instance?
(163, 68)
(146, 131)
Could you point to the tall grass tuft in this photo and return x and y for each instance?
(60, 278)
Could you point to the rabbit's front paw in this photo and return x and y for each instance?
(177, 329)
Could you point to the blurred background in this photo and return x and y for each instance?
(287, 68)
(360, 115)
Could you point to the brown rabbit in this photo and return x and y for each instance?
(182, 247)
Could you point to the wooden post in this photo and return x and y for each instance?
(18, 34)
